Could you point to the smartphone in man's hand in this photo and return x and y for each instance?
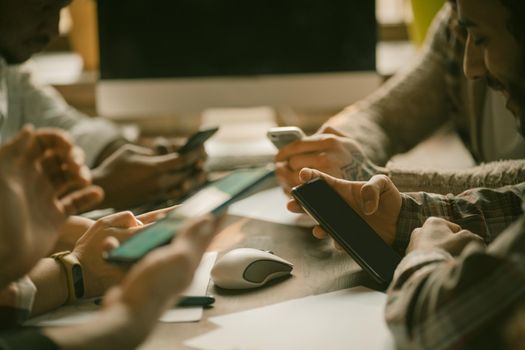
(348, 229)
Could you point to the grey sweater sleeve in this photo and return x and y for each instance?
(489, 175)
(408, 108)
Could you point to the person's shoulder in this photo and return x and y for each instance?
(439, 33)
(20, 74)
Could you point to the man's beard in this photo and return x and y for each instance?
(516, 93)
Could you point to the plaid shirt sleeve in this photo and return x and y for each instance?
(438, 302)
(486, 212)
(16, 302)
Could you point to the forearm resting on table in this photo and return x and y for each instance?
(50, 280)
(115, 327)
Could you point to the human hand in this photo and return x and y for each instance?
(70, 232)
(327, 151)
(76, 226)
(133, 308)
(168, 270)
(98, 274)
(442, 234)
(377, 201)
(135, 175)
(42, 182)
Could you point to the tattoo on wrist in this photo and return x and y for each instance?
(360, 169)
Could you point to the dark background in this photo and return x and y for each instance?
(197, 38)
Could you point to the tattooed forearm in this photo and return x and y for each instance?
(360, 169)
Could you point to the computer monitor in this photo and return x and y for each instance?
(183, 56)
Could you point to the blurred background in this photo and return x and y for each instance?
(72, 62)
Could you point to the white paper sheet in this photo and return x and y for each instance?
(347, 319)
(270, 205)
(198, 286)
(85, 310)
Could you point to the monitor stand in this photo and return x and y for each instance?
(241, 140)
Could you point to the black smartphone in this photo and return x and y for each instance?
(197, 139)
(213, 198)
(348, 229)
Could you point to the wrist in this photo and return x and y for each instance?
(51, 285)
(62, 292)
(424, 255)
(109, 150)
(72, 270)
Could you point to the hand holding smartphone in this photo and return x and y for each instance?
(213, 199)
(348, 229)
(282, 136)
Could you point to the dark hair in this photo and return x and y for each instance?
(516, 9)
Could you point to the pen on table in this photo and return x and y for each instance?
(204, 300)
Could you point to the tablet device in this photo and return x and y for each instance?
(348, 229)
(213, 198)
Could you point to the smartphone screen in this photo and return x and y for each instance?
(197, 139)
(214, 199)
(351, 231)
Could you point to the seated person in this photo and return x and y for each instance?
(484, 211)
(42, 161)
(457, 286)
(129, 174)
(461, 283)
(358, 142)
(41, 176)
(22, 182)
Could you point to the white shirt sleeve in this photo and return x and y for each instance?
(43, 106)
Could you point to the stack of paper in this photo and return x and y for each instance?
(346, 319)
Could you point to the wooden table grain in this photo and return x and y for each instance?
(318, 268)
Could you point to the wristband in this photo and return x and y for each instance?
(74, 275)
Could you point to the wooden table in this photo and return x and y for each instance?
(318, 268)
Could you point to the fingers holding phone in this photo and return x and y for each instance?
(282, 136)
(377, 201)
(214, 199)
(347, 225)
(134, 175)
(97, 273)
(328, 151)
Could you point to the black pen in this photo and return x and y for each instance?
(205, 300)
(188, 300)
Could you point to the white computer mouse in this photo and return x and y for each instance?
(245, 268)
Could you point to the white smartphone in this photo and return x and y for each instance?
(281, 136)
